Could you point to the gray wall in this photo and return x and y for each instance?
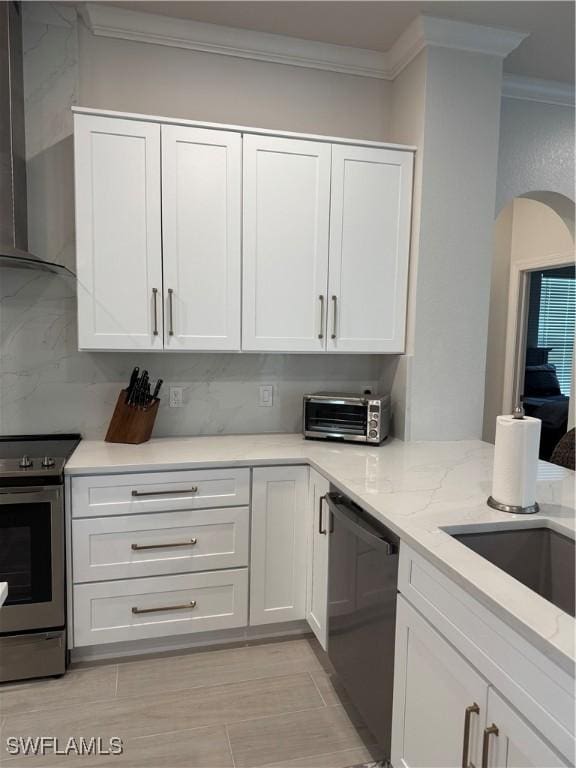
(45, 383)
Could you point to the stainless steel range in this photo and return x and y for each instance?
(32, 556)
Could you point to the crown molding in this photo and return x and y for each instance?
(106, 20)
(533, 89)
(426, 31)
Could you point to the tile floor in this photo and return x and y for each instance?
(263, 705)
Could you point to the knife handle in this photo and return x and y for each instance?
(157, 389)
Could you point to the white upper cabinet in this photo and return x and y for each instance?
(285, 254)
(369, 246)
(118, 229)
(201, 217)
(197, 238)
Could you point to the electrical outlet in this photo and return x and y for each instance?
(266, 395)
(176, 397)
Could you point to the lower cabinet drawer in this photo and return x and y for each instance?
(106, 548)
(159, 607)
(144, 492)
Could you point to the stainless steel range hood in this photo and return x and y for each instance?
(13, 203)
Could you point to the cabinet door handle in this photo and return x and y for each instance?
(181, 607)
(335, 315)
(492, 729)
(155, 299)
(189, 543)
(321, 334)
(171, 311)
(192, 489)
(472, 709)
(320, 515)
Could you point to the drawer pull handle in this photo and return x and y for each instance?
(193, 489)
(334, 316)
(321, 334)
(181, 607)
(155, 297)
(320, 516)
(189, 543)
(472, 709)
(171, 311)
(492, 729)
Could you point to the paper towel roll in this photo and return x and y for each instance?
(516, 460)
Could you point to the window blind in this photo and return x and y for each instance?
(556, 324)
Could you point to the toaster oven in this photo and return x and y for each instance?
(335, 416)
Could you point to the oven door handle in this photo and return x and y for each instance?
(347, 516)
(31, 493)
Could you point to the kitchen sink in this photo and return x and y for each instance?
(540, 558)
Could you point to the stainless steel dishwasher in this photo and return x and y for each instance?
(362, 590)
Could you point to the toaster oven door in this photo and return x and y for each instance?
(342, 420)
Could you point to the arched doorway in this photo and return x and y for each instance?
(530, 347)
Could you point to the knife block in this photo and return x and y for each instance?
(130, 424)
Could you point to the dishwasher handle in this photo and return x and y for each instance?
(349, 517)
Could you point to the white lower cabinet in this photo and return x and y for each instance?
(511, 742)
(468, 691)
(159, 544)
(143, 492)
(279, 539)
(436, 692)
(161, 606)
(317, 601)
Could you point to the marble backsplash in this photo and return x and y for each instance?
(47, 385)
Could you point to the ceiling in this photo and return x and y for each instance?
(548, 53)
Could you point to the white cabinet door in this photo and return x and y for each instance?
(369, 249)
(510, 742)
(285, 235)
(118, 233)
(278, 552)
(433, 688)
(317, 604)
(201, 204)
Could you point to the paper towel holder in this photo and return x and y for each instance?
(512, 509)
(532, 509)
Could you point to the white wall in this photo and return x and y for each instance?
(155, 79)
(407, 124)
(496, 349)
(536, 155)
(526, 230)
(460, 119)
(45, 383)
(536, 150)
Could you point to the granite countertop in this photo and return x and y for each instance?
(417, 489)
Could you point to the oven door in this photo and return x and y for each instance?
(336, 419)
(32, 558)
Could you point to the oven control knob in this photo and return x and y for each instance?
(25, 462)
(372, 433)
(373, 424)
(48, 462)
